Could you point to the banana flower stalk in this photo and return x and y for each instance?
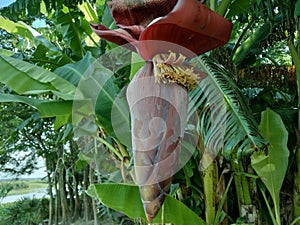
(165, 33)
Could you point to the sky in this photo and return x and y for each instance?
(39, 173)
(4, 3)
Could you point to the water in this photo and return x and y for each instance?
(39, 193)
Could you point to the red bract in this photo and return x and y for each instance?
(157, 95)
(139, 12)
(189, 24)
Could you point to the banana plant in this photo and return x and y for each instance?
(238, 139)
(272, 168)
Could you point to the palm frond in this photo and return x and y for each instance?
(225, 122)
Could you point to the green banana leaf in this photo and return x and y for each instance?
(24, 30)
(238, 6)
(16, 28)
(27, 79)
(252, 42)
(105, 103)
(47, 108)
(98, 94)
(90, 16)
(46, 53)
(126, 198)
(95, 84)
(89, 13)
(74, 72)
(271, 168)
(69, 23)
(61, 110)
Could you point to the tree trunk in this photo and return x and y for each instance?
(85, 185)
(71, 195)
(77, 208)
(51, 213)
(57, 201)
(63, 197)
(62, 188)
(91, 177)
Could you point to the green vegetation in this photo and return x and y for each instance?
(24, 212)
(23, 186)
(58, 102)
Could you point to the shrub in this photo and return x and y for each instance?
(4, 189)
(24, 212)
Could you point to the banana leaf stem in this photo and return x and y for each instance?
(222, 202)
(110, 147)
(210, 181)
(269, 208)
(295, 220)
(242, 187)
(123, 151)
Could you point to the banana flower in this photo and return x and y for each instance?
(165, 33)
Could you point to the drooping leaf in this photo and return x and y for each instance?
(24, 30)
(226, 121)
(15, 28)
(100, 93)
(47, 108)
(102, 97)
(39, 38)
(105, 100)
(74, 72)
(252, 42)
(61, 110)
(89, 13)
(69, 23)
(90, 16)
(126, 199)
(26, 78)
(46, 58)
(238, 6)
(271, 168)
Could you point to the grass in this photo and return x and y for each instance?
(24, 186)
